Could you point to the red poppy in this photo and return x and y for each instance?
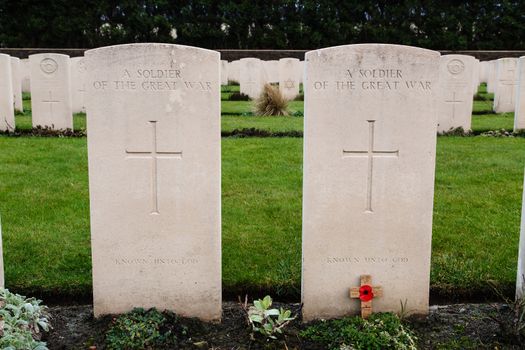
(366, 293)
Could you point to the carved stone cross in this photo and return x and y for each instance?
(453, 101)
(366, 293)
(50, 101)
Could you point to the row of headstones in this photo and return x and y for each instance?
(56, 83)
(155, 178)
(252, 74)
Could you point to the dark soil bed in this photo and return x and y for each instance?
(460, 326)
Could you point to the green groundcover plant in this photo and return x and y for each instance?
(380, 331)
(22, 322)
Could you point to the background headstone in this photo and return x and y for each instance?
(475, 76)
(491, 78)
(289, 69)
(505, 87)
(16, 80)
(224, 72)
(369, 158)
(272, 71)
(234, 71)
(455, 93)
(26, 72)
(519, 113)
(78, 84)
(7, 111)
(251, 77)
(50, 91)
(154, 178)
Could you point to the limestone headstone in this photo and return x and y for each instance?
(520, 277)
(50, 90)
(234, 71)
(289, 77)
(491, 78)
(506, 81)
(519, 113)
(7, 111)
(251, 77)
(301, 71)
(16, 80)
(271, 70)
(475, 76)
(26, 72)
(154, 176)
(455, 92)
(224, 72)
(369, 158)
(78, 84)
(483, 72)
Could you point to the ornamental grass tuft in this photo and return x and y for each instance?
(271, 102)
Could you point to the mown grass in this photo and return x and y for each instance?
(44, 207)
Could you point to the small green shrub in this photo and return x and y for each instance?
(142, 329)
(271, 102)
(266, 321)
(22, 321)
(380, 331)
(238, 96)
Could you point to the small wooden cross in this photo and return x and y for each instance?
(366, 293)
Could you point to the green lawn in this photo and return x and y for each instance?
(44, 206)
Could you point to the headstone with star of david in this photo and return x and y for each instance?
(456, 82)
(154, 178)
(289, 77)
(369, 161)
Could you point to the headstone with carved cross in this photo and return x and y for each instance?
(369, 154)
(506, 82)
(366, 293)
(7, 112)
(154, 175)
(289, 77)
(78, 84)
(51, 91)
(456, 85)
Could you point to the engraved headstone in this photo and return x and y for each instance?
(483, 72)
(272, 71)
(224, 72)
(7, 111)
(78, 84)
(506, 81)
(369, 158)
(251, 77)
(289, 77)
(520, 276)
(455, 81)
(519, 113)
(26, 72)
(234, 71)
(50, 91)
(491, 78)
(16, 80)
(154, 178)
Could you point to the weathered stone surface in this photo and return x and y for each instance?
(51, 91)
(252, 77)
(224, 72)
(505, 87)
(456, 84)
(26, 72)
(154, 178)
(16, 81)
(369, 158)
(7, 112)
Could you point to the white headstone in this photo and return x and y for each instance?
(154, 178)
(7, 111)
(369, 157)
(491, 78)
(455, 81)
(16, 80)
(483, 71)
(224, 72)
(289, 77)
(78, 84)
(475, 77)
(271, 70)
(50, 90)
(26, 72)
(301, 71)
(520, 277)
(234, 71)
(519, 113)
(506, 81)
(251, 77)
